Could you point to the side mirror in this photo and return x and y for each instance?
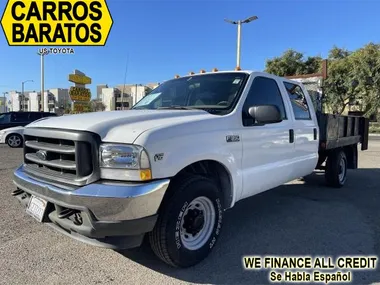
(265, 114)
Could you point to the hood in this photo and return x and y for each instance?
(128, 124)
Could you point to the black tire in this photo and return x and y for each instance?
(165, 239)
(336, 169)
(14, 140)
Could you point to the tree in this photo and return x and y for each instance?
(96, 105)
(366, 66)
(341, 84)
(353, 77)
(292, 62)
(338, 53)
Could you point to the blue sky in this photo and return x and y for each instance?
(162, 38)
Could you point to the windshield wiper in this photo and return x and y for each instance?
(174, 107)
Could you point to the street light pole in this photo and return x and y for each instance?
(239, 23)
(42, 83)
(238, 44)
(42, 54)
(22, 93)
(5, 101)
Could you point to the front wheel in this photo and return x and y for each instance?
(14, 140)
(189, 223)
(336, 169)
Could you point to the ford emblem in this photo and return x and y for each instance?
(41, 154)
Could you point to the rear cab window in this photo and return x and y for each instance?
(298, 100)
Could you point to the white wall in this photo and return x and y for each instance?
(15, 100)
(61, 95)
(33, 102)
(137, 93)
(108, 98)
(46, 102)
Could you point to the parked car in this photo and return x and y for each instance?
(12, 136)
(184, 154)
(17, 119)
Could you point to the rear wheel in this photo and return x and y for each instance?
(14, 140)
(189, 222)
(336, 169)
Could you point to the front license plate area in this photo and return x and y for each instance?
(36, 208)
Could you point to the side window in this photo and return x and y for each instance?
(20, 117)
(34, 116)
(4, 118)
(48, 115)
(264, 91)
(297, 97)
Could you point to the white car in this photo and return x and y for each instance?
(12, 136)
(185, 153)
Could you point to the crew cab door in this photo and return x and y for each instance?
(305, 128)
(268, 150)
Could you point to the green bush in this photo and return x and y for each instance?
(374, 128)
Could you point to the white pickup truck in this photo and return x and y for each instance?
(184, 154)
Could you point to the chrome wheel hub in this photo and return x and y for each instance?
(197, 223)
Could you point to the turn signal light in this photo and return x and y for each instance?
(145, 174)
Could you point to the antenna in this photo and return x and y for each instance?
(125, 78)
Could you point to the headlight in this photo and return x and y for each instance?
(124, 162)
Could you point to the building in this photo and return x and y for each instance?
(123, 97)
(3, 105)
(99, 90)
(111, 98)
(55, 99)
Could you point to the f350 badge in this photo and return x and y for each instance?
(158, 156)
(233, 138)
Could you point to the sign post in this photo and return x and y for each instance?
(79, 94)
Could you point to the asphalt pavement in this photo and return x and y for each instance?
(300, 218)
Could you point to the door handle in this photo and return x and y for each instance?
(291, 136)
(315, 133)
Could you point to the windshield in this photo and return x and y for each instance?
(211, 92)
(4, 118)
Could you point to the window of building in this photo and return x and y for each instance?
(297, 97)
(264, 91)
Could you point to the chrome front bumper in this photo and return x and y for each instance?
(105, 200)
(112, 215)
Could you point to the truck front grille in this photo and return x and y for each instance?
(67, 157)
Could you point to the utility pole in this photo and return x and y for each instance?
(5, 101)
(239, 23)
(42, 55)
(42, 82)
(22, 93)
(125, 78)
(133, 103)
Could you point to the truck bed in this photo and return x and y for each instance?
(338, 131)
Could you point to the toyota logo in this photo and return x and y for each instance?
(41, 154)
